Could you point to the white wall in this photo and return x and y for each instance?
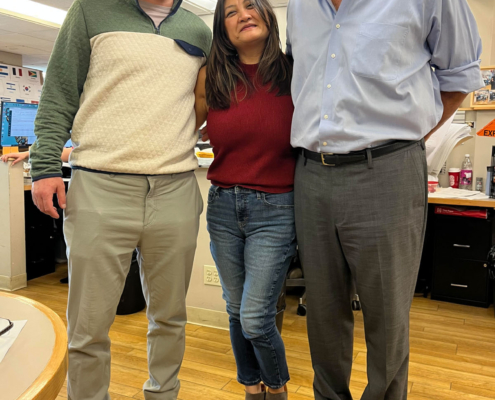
(484, 13)
(201, 295)
(10, 58)
(12, 234)
(479, 148)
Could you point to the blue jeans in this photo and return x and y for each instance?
(253, 240)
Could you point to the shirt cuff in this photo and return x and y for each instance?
(465, 79)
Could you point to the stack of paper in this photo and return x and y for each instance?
(442, 142)
(451, 193)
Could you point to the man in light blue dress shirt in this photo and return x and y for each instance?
(372, 79)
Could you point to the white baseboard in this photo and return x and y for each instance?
(210, 318)
(13, 283)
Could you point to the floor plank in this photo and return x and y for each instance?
(452, 352)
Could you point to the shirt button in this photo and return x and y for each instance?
(333, 56)
(337, 26)
(325, 116)
(329, 86)
(325, 143)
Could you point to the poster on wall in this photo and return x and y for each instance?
(484, 98)
(488, 131)
(19, 84)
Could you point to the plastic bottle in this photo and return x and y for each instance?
(479, 184)
(466, 181)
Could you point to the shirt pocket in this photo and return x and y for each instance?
(377, 53)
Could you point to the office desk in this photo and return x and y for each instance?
(36, 364)
(454, 263)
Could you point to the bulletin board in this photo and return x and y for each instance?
(19, 84)
(484, 98)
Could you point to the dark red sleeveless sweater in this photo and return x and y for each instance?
(251, 141)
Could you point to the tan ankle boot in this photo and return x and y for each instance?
(278, 396)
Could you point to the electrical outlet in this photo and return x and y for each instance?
(211, 276)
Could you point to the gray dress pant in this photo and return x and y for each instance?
(360, 229)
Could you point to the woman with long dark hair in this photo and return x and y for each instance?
(244, 93)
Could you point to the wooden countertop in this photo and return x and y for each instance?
(488, 203)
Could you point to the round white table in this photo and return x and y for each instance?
(36, 365)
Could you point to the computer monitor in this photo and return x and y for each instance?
(17, 124)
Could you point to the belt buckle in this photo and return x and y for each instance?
(323, 159)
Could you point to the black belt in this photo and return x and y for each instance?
(332, 160)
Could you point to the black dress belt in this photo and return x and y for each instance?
(332, 160)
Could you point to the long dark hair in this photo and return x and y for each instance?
(223, 73)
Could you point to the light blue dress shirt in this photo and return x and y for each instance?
(363, 76)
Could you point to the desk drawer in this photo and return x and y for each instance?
(461, 279)
(462, 238)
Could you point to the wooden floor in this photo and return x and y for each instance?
(452, 352)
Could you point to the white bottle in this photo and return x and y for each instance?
(466, 181)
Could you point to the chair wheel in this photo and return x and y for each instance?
(356, 305)
(301, 310)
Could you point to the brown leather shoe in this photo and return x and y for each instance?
(257, 396)
(278, 396)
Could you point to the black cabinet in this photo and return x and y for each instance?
(40, 240)
(460, 268)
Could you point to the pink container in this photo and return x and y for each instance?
(432, 186)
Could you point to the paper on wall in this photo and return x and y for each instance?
(11, 89)
(19, 84)
(4, 71)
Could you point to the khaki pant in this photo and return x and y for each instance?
(107, 217)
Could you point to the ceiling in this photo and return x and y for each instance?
(35, 42)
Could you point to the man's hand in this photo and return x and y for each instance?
(451, 102)
(43, 191)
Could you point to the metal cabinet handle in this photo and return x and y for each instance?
(464, 246)
(461, 286)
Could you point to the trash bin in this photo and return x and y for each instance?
(281, 305)
(132, 299)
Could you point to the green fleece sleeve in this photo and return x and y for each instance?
(66, 74)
